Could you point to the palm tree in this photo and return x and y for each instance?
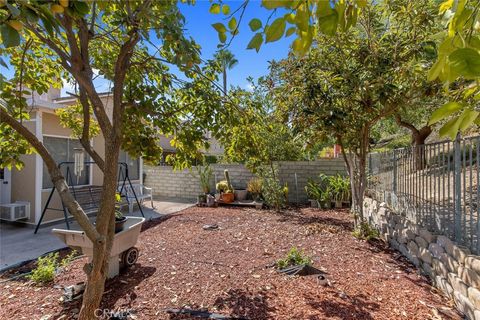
(227, 61)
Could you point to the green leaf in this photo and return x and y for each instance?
(81, 7)
(215, 8)
(290, 31)
(275, 31)
(219, 27)
(450, 128)
(444, 111)
(256, 42)
(10, 36)
(222, 36)
(362, 3)
(468, 118)
(466, 62)
(328, 23)
(274, 4)
(436, 69)
(255, 24)
(232, 24)
(226, 9)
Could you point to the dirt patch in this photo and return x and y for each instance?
(226, 271)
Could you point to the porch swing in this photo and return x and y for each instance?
(89, 196)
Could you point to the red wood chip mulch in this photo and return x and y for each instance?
(226, 271)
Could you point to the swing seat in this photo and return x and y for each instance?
(88, 197)
(141, 192)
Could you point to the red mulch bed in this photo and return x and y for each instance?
(226, 271)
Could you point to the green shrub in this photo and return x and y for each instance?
(48, 265)
(294, 257)
(45, 270)
(339, 187)
(366, 232)
(272, 190)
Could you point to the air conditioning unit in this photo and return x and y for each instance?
(15, 211)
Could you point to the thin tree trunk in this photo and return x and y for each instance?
(98, 268)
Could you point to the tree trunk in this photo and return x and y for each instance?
(418, 140)
(97, 269)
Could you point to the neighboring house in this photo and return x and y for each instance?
(215, 149)
(32, 184)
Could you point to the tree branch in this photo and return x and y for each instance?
(85, 138)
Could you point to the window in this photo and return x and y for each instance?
(133, 165)
(61, 150)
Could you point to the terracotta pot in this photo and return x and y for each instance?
(227, 197)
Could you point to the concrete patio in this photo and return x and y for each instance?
(18, 243)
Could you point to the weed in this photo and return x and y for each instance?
(294, 257)
(366, 232)
(48, 265)
(45, 270)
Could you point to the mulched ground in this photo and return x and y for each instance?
(228, 271)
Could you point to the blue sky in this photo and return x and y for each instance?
(251, 63)
(198, 26)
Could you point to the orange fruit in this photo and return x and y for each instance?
(56, 8)
(15, 24)
(63, 3)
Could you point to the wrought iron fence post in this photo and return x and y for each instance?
(394, 187)
(458, 189)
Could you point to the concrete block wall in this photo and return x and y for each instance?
(451, 267)
(185, 184)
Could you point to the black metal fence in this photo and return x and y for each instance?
(434, 185)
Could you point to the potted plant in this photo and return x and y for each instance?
(204, 174)
(319, 193)
(313, 193)
(254, 186)
(340, 190)
(228, 194)
(120, 219)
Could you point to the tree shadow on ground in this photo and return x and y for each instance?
(351, 307)
(156, 221)
(245, 304)
(126, 289)
(115, 290)
(397, 261)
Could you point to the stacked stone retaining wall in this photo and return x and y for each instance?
(451, 267)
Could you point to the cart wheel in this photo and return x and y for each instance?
(130, 257)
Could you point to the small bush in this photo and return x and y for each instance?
(294, 257)
(366, 232)
(254, 186)
(48, 265)
(45, 270)
(272, 190)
